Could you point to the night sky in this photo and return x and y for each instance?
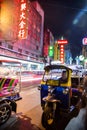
(67, 18)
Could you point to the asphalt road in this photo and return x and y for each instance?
(28, 116)
(29, 111)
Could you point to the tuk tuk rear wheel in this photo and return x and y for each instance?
(48, 119)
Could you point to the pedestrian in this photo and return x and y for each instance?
(80, 121)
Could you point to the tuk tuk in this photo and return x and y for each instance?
(10, 87)
(58, 98)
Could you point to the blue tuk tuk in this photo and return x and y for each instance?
(58, 98)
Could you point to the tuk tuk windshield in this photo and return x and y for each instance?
(54, 74)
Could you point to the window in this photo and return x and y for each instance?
(19, 50)
(10, 47)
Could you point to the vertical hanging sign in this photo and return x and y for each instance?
(22, 32)
(62, 43)
(62, 53)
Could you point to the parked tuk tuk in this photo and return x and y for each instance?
(10, 87)
(58, 98)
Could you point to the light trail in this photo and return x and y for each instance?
(24, 79)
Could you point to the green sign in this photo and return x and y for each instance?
(51, 51)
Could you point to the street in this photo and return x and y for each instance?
(29, 111)
(28, 116)
(30, 81)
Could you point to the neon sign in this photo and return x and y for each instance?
(84, 41)
(22, 32)
(63, 42)
(62, 53)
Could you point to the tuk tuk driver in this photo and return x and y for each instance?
(63, 78)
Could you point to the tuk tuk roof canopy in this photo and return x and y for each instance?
(50, 67)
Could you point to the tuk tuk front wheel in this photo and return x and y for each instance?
(5, 112)
(48, 118)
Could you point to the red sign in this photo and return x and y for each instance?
(62, 42)
(84, 41)
(62, 53)
(22, 33)
(46, 50)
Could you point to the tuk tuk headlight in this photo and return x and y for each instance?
(17, 88)
(66, 91)
(49, 88)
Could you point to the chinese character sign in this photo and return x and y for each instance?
(22, 32)
(62, 53)
(62, 43)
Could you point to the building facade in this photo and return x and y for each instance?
(41, 12)
(21, 33)
(84, 50)
(48, 41)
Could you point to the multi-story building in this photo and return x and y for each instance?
(68, 56)
(84, 53)
(48, 41)
(84, 50)
(41, 12)
(21, 29)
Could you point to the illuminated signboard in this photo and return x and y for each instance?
(84, 41)
(46, 50)
(22, 32)
(62, 42)
(51, 51)
(62, 53)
